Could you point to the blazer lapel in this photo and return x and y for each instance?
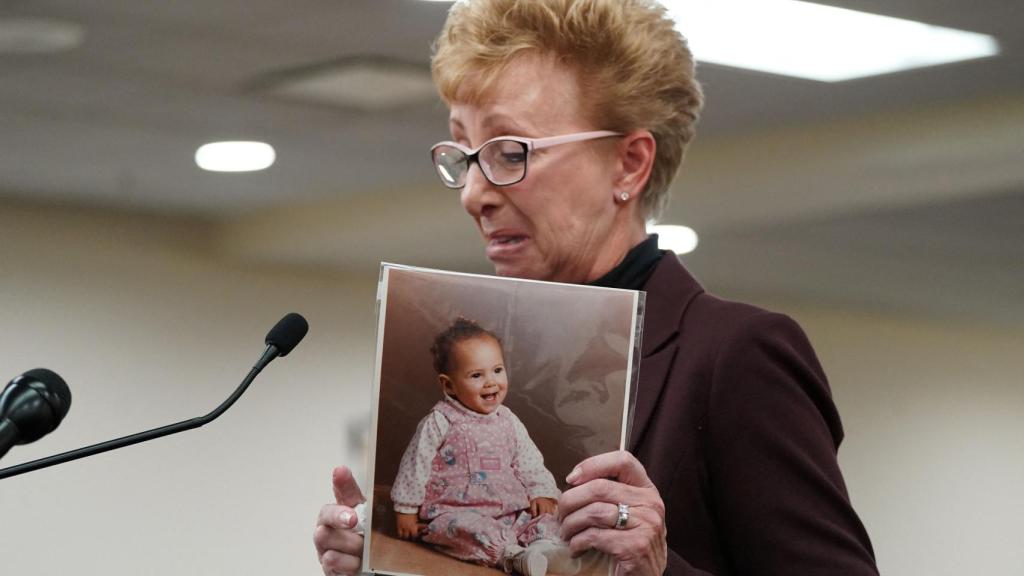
(669, 291)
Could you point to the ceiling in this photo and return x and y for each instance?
(898, 192)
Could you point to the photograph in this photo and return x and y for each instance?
(487, 393)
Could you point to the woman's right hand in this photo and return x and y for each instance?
(339, 548)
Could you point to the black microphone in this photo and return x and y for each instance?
(31, 406)
(284, 336)
(281, 339)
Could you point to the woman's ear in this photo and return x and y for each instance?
(636, 151)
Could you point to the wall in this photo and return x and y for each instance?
(934, 450)
(149, 328)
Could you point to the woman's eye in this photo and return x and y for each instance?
(513, 157)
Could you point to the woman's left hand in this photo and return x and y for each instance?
(590, 509)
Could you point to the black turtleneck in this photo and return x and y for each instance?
(634, 270)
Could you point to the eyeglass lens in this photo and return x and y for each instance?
(503, 162)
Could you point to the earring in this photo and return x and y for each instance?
(624, 196)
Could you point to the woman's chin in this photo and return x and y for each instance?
(524, 268)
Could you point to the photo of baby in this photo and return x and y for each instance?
(472, 483)
(484, 389)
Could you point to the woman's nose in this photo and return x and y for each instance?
(479, 197)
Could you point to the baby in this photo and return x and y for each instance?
(471, 482)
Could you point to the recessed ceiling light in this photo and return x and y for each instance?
(679, 239)
(235, 156)
(38, 36)
(815, 41)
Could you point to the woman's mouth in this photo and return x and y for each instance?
(505, 245)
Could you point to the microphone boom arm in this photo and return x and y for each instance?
(269, 354)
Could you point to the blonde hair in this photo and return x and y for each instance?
(626, 54)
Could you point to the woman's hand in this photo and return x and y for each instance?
(339, 548)
(409, 526)
(540, 506)
(589, 512)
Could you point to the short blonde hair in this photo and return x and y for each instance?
(626, 53)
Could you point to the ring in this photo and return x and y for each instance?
(620, 522)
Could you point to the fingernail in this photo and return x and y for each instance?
(574, 475)
(345, 517)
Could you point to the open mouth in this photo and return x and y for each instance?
(490, 397)
(507, 240)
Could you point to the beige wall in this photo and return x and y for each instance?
(934, 450)
(148, 328)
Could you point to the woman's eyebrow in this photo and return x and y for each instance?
(506, 125)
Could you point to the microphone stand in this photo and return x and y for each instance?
(269, 354)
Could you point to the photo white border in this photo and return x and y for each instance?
(371, 451)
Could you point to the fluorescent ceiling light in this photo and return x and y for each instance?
(235, 156)
(815, 41)
(679, 239)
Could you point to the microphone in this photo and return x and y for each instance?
(31, 406)
(281, 340)
(287, 333)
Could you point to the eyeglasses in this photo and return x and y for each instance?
(502, 160)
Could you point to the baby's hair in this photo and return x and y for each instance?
(461, 329)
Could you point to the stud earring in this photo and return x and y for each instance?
(624, 196)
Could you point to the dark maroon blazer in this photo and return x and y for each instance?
(735, 424)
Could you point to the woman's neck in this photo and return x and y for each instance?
(615, 250)
(636, 268)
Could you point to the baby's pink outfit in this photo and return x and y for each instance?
(472, 476)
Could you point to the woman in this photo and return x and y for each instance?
(568, 121)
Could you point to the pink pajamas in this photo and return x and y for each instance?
(472, 476)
